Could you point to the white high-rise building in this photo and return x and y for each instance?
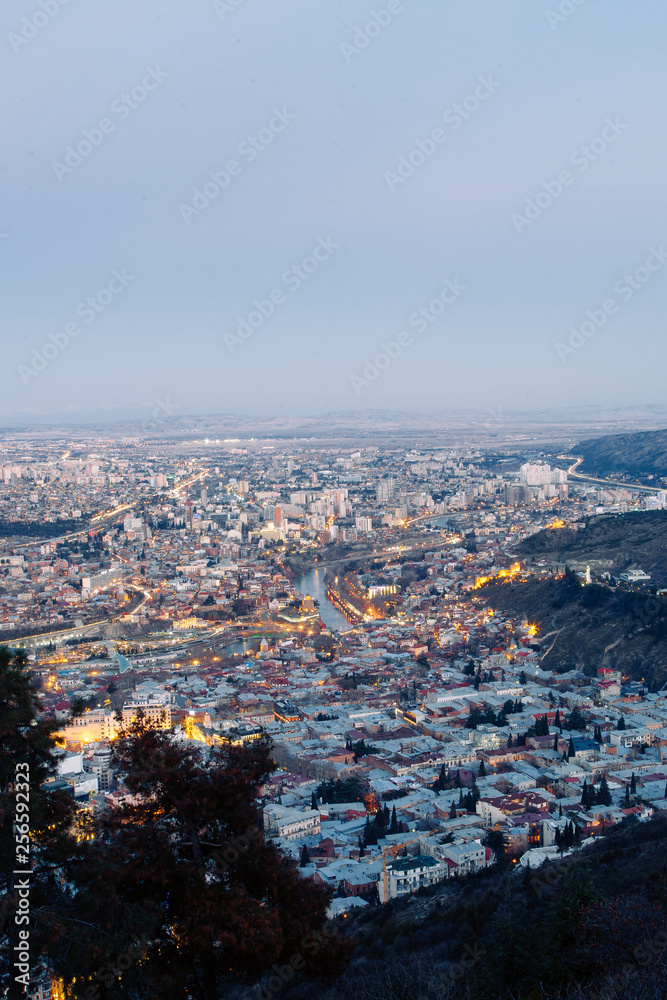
(535, 475)
(385, 489)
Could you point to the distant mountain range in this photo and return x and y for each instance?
(560, 427)
(642, 454)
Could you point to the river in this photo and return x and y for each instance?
(313, 584)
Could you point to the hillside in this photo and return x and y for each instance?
(611, 544)
(590, 925)
(585, 628)
(643, 454)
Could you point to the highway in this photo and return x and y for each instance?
(108, 515)
(607, 482)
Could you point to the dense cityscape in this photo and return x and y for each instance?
(340, 602)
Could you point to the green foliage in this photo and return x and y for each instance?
(349, 790)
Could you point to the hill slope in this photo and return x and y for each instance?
(594, 922)
(608, 543)
(640, 454)
(590, 627)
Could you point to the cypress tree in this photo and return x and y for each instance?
(633, 784)
(604, 795)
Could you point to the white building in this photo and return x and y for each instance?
(406, 875)
(535, 475)
(290, 824)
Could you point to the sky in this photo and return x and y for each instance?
(273, 207)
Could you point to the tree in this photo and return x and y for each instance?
(305, 857)
(627, 796)
(575, 720)
(603, 794)
(621, 723)
(557, 722)
(188, 866)
(41, 842)
(452, 811)
(522, 677)
(556, 742)
(570, 748)
(442, 780)
(482, 770)
(633, 784)
(394, 821)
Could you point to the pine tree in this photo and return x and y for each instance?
(570, 748)
(633, 784)
(560, 812)
(305, 857)
(556, 742)
(604, 795)
(44, 846)
(621, 723)
(394, 821)
(482, 770)
(313, 801)
(584, 794)
(367, 834)
(522, 677)
(217, 896)
(452, 811)
(557, 722)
